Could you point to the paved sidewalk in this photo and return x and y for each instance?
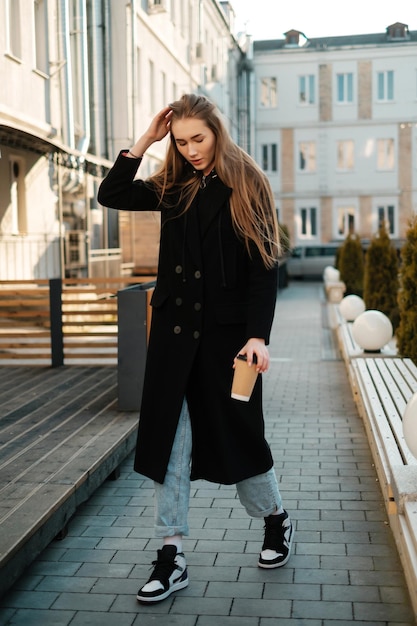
(344, 568)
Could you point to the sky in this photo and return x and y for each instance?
(269, 19)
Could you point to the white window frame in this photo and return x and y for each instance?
(40, 27)
(18, 222)
(345, 155)
(388, 211)
(307, 89)
(307, 222)
(268, 92)
(139, 74)
(13, 29)
(163, 88)
(269, 157)
(346, 94)
(346, 216)
(151, 69)
(307, 151)
(385, 155)
(385, 86)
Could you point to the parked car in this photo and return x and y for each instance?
(310, 261)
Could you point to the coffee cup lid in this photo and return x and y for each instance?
(243, 357)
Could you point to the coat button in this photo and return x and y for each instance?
(177, 330)
(197, 274)
(197, 306)
(178, 269)
(196, 334)
(178, 301)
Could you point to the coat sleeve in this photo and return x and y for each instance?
(120, 190)
(263, 286)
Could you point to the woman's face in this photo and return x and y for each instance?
(196, 142)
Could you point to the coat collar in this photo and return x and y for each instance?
(212, 200)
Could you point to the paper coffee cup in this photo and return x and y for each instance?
(244, 378)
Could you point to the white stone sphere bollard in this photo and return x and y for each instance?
(331, 274)
(351, 306)
(410, 424)
(372, 330)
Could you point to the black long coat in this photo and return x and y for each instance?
(211, 296)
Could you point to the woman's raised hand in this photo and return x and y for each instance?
(159, 127)
(157, 130)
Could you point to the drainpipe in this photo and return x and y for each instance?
(68, 94)
(108, 81)
(84, 141)
(134, 71)
(97, 69)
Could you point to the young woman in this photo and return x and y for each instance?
(214, 299)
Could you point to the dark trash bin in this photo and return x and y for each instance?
(132, 327)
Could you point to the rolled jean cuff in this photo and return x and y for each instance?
(265, 513)
(171, 531)
(260, 494)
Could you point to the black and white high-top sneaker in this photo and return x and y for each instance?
(276, 549)
(169, 575)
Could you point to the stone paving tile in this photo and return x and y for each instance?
(344, 569)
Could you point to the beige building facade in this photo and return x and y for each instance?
(336, 132)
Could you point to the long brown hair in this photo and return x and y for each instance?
(252, 203)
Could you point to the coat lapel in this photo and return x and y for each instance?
(211, 201)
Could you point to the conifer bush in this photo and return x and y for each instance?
(380, 288)
(407, 296)
(351, 265)
(284, 238)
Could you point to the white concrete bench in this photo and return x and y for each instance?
(382, 388)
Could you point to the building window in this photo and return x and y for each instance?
(152, 106)
(307, 156)
(41, 36)
(386, 216)
(345, 155)
(269, 157)
(13, 33)
(385, 86)
(164, 88)
(18, 225)
(345, 87)
(308, 222)
(306, 89)
(385, 154)
(138, 92)
(269, 96)
(345, 221)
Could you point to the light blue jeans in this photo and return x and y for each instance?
(259, 495)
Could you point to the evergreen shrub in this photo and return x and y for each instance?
(380, 289)
(407, 296)
(351, 265)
